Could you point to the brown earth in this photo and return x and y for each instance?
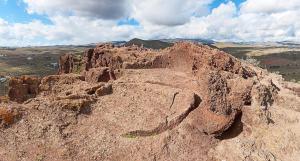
(187, 102)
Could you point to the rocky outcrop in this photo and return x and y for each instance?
(9, 114)
(53, 83)
(95, 58)
(216, 72)
(66, 64)
(106, 55)
(22, 88)
(132, 103)
(101, 74)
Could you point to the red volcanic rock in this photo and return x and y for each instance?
(131, 103)
(23, 88)
(53, 82)
(189, 57)
(107, 55)
(101, 57)
(182, 56)
(214, 71)
(101, 74)
(66, 64)
(10, 113)
(218, 91)
(88, 59)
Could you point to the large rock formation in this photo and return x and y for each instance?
(23, 88)
(187, 102)
(66, 64)
(215, 72)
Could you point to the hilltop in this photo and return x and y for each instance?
(185, 102)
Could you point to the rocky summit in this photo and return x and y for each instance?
(186, 102)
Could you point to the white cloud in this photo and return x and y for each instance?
(269, 6)
(83, 22)
(104, 9)
(257, 25)
(221, 23)
(82, 30)
(65, 30)
(169, 12)
(161, 12)
(227, 22)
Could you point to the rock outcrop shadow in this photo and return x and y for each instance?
(235, 130)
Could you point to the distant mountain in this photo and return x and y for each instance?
(201, 41)
(289, 43)
(152, 44)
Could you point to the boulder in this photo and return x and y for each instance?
(8, 116)
(101, 74)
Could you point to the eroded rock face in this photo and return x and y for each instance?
(107, 55)
(10, 113)
(66, 64)
(100, 74)
(23, 88)
(222, 80)
(54, 83)
(264, 95)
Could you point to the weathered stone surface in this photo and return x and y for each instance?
(23, 88)
(8, 114)
(101, 74)
(66, 64)
(54, 82)
(104, 90)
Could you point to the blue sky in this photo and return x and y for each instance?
(34, 22)
(217, 3)
(14, 11)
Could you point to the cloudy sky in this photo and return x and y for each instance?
(48, 22)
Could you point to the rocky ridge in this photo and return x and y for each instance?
(186, 102)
